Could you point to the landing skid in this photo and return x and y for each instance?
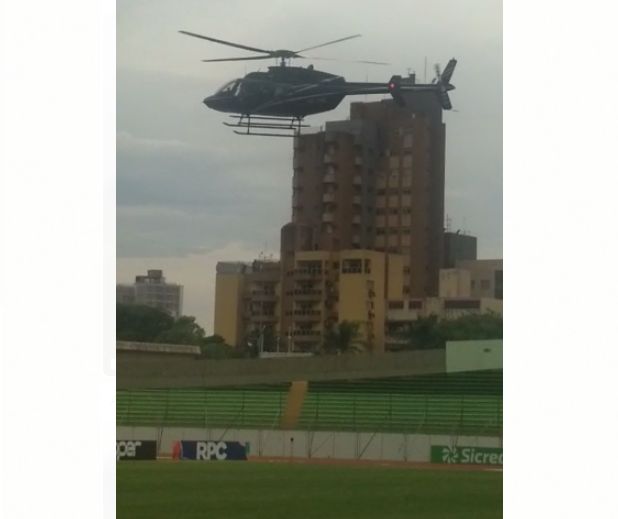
(285, 127)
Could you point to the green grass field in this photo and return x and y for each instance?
(192, 490)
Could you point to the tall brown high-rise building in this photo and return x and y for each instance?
(366, 233)
(375, 181)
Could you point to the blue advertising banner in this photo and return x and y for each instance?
(209, 450)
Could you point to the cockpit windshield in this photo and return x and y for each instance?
(229, 88)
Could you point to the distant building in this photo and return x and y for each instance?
(246, 297)
(366, 237)
(403, 312)
(458, 247)
(152, 290)
(485, 277)
(375, 182)
(297, 302)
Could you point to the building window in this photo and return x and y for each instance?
(381, 192)
(406, 191)
(406, 289)
(405, 230)
(393, 210)
(352, 266)
(380, 231)
(406, 270)
(395, 305)
(485, 284)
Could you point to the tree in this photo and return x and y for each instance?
(430, 332)
(215, 347)
(183, 331)
(262, 339)
(425, 333)
(344, 337)
(141, 323)
(473, 327)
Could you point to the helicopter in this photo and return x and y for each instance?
(282, 97)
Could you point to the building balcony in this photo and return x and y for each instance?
(258, 317)
(357, 180)
(307, 316)
(306, 334)
(356, 220)
(356, 200)
(356, 239)
(328, 198)
(308, 274)
(329, 158)
(329, 178)
(262, 295)
(307, 294)
(328, 218)
(358, 161)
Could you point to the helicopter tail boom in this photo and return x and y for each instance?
(440, 85)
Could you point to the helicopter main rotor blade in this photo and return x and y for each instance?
(346, 61)
(223, 42)
(329, 43)
(248, 58)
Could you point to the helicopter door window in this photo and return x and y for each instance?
(229, 88)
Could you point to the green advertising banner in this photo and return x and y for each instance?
(466, 455)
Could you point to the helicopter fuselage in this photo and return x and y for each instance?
(293, 92)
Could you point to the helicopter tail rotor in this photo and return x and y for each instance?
(443, 82)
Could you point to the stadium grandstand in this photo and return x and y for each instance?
(463, 403)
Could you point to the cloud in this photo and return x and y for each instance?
(127, 143)
(187, 187)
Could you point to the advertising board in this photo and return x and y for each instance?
(209, 451)
(466, 455)
(136, 450)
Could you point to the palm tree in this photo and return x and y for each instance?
(344, 337)
(425, 333)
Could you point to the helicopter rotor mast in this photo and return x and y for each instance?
(284, 56)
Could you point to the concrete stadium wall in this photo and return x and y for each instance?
(473, 355)
(156, 372)
(335, 445)
(146, 348)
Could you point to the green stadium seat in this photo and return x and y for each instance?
(465, 404)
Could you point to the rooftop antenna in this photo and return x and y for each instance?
(425, 73)
(448, 223)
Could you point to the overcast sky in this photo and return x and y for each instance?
(191, 193)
